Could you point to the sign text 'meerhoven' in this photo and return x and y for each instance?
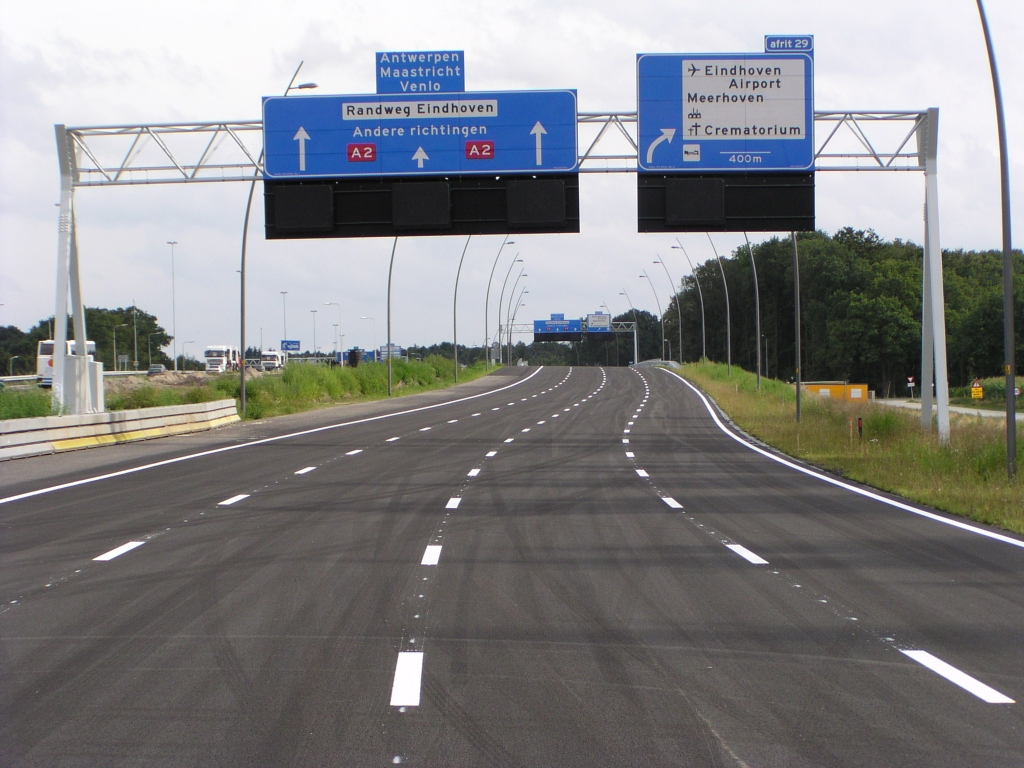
(412, 110)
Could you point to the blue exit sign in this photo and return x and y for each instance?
(788, 43)
(421, 72)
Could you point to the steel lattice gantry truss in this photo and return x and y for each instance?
(176, 153)
(230, 150)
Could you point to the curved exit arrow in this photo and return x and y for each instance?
(666, 135)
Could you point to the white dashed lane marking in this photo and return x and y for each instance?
(453, 502)
(119, 550)
(642, 473)
(491, 453)
(473, 473)
(304, 470)
(392, 439)
(233, 499)
(669, 500)
(353, 453)
(747, 555)
(405, 692)
(955, 676)
(426, 429)
(431, 555)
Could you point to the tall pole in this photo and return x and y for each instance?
(728, 314)
(636, 329)
(679, 311)
(700, 295)
(284, 314)
(512, 319)
(391, 268)
(455, 312)
(501, 302)
(757, 312)
(1009, 354)
(796, 317)
(508, 314)
(487, 302)
(135, 322)
(174, 313)
(661, 315)
(245, 237)
(314, 332)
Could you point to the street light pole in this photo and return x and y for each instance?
(113, 333)
(174, 313)
(391, 269)
(10, 364)
(487, 302)
(796, 318)
(183, 345)
(455, 312)
(335, 304)
(679, 310)
(314, 333)
(661, 315)
(284, 313)
(501, 302)
(700, 295)
(135, 322)
(636, 328)
(372, 320)
(1009, 353)
(757, 312)
(508, 312)
(728, 315)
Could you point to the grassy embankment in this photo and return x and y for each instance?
(994, 395)
(298, 388)
(966, 477)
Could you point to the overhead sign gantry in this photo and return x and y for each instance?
(725, 141)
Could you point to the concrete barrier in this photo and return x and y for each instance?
(54, 434)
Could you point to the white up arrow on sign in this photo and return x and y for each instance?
(537, 131)
(419, 157)
(666, 135)
(302, 137)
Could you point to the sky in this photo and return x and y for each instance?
(121, 63)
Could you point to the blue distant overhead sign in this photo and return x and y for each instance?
(404, 135)
(289, 345)
(421, 72)
(557, 326)
(725, 112)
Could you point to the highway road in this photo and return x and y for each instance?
(546, 567)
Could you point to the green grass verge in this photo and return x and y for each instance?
(25, 403)
(966, 477)
(304, 387)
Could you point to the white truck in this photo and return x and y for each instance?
(221, 358)
(271, 360)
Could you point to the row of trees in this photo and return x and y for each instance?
(860, 307)
(125, 324)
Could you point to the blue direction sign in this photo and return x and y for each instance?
(433, 135)
(290, 345)
(723, 112)
(421, 71)
(557, 326)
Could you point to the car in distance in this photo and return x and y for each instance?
(155, 370)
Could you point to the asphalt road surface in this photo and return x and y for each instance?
(547, 567)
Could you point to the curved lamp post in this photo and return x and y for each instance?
(700, 295)
(501, 302)
(455, 312)
(487, 302)
(757, 312)
(661, 315)
(728, 316)
(679, 309)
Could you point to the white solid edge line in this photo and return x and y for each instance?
(746, 554)
(840, 483)
(120, 550)
(473, 472)
(453, 502)
(671, 502)
(642, 473)
(261, 441)
(955, 676)
(304, 470)
(353, 453)
(405, 692)
(233, 499)
(431, 555)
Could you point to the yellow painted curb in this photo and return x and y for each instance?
(141, 434)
